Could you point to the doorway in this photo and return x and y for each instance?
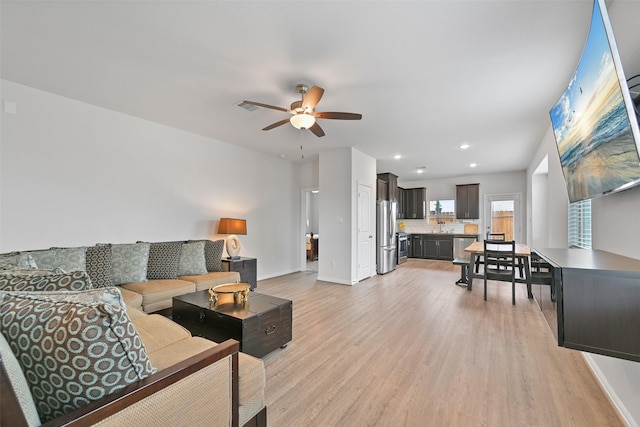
(503, 214)
(311, 231)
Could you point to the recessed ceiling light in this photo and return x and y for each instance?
(397, 156)
(420, 171)
(473, 165)
(463, 146)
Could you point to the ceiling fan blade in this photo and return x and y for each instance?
(338, 116)
(276, 124)
(312, 98)
(273, 107)
(317, 130)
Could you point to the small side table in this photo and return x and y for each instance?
(247, 267)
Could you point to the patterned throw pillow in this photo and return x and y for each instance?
(129, 263)
(99, 265)
(192, 261)
(72, 348)
(69, 259)
(164, 259)
(213, 254)
(17, 260)
(28, 282)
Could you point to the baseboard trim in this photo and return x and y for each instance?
(624, 415)
(334, 280)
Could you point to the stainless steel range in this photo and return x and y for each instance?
(402, 245)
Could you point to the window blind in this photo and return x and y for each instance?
(580, 224)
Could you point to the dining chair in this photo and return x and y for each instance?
(542, 273)
(499, 264)
(519, 260)
(496, 236)
(490, 236)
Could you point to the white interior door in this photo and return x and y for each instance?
(365, 232)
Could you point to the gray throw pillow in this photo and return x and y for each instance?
(90, 348)
(17, 260)
(68, 259)
(45, 281)
(129, 263)
(99, 265)
(192, 261)
(164, 260)
(212, 253)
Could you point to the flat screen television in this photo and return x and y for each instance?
(594, 121)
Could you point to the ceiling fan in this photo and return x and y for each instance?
(303, 112)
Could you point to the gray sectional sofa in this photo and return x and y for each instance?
(149, 275)
(95, 356)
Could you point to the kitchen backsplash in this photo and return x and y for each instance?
(418, 226)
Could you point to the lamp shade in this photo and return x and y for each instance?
(232, 226)
(302, 120)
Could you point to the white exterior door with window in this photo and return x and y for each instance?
(503, 214)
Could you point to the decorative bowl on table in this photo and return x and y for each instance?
(230, 293)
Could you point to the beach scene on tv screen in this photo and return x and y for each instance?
(592, 129)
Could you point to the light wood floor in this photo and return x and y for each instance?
(410, 348)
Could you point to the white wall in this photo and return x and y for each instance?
(615, 224)
(334, 258)
(555, 197)
(76, 174)
(614, 218)
(340, 172)
(539, 190)
(615, 229)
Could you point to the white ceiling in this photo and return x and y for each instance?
(427, 76)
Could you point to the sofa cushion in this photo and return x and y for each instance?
(192, 260)
(209, 280)
(148, 326)
(18, 383)
(164, 259)
(74, 281)
(157, 294)
(68, 259)
(74, 347)
(17, 260)
(213, 254)
(131, 298)
(98, 260)
(177, 351)
(129, 263)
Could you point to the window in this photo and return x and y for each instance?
(580, 224)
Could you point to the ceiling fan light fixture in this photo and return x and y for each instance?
(302, 121)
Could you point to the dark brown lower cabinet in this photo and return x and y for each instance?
(596, 296)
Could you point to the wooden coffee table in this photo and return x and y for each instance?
(261, 325)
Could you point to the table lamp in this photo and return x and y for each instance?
(233, 227)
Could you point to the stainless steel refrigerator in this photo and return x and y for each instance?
(386, 236)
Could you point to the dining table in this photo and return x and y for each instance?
(523, 254)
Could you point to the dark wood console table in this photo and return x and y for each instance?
(597, 301)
